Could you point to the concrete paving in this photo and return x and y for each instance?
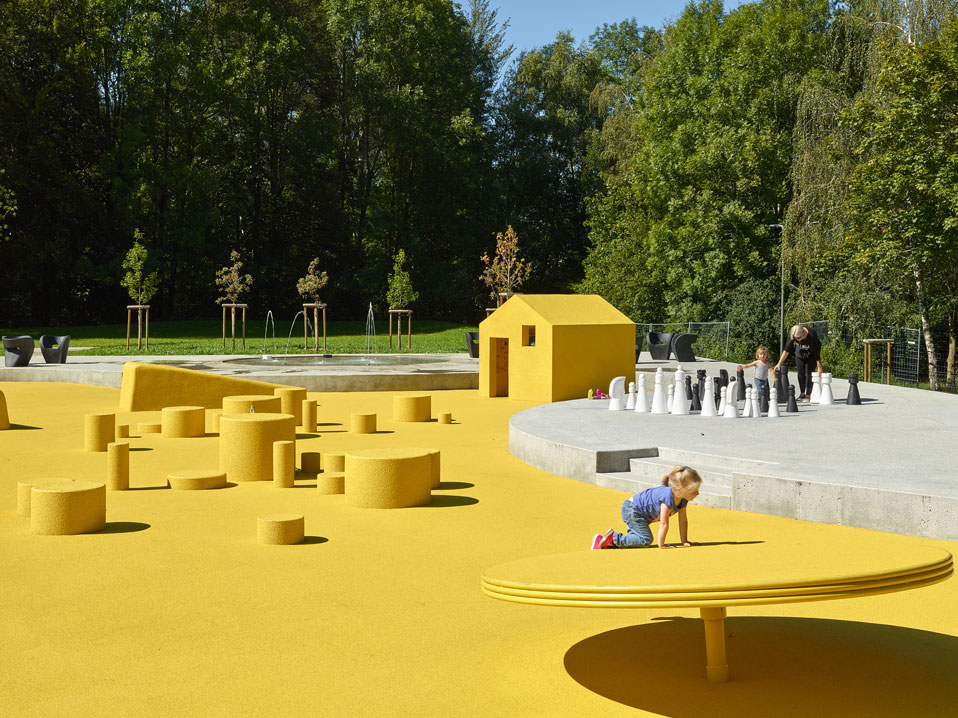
(890, 464)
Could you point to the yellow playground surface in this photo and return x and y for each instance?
(176, 608)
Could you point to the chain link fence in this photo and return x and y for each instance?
(712, 339)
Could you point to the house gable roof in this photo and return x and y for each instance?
(570, 309)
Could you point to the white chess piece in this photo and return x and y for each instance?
(747, 409)
(773, 407)
(756, 405)
(731, 408)
(671, 397)
(732, 393)
(680, 402)
(722, 401)
(660, 402)
(642, 397)
(816, 387)
(617, 394)
(708, 401)
(630, 399)
(826, 398)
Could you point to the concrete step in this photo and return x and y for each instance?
(654, 469)
(727, 462)
(718, 497)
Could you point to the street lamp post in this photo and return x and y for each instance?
(781, 291)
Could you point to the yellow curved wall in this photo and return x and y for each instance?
(150, 387)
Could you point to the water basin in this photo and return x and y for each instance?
(338, 360)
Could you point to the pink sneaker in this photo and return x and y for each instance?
(597, 542)
(608, 539)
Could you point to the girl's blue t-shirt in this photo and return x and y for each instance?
(647, 503)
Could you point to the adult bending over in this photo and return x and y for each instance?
(805, 345)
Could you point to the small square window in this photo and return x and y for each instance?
(528, 335)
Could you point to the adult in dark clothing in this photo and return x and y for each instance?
(803, 343)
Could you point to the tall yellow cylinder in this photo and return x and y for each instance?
(284, 464)
(122, 431)
(412, 408)
(23, 499)
(180, 422)
(362, 423)
(309, 415)
(98, 431)
(246, 444)
(716, 666)
(4, 417)
(434, 468)
(118, 466)
(66, 507)
(291, 400)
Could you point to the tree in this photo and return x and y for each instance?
(141, 286)
(231, 282)
(506, 271)
(309, 286)
(400, 293)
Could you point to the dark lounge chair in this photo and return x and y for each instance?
(472, 344)
(682, 346)
(18, 351)
(660, 344)
(54, 349)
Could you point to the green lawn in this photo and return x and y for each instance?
(205, 337)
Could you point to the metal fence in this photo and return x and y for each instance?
(712, 339)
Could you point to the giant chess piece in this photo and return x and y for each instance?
(659, 398)
(724, 374)
(671, 396)
(854, 398)
(680, 401)
(732, 393)
(792, 407)
(630, 399)
(717, 384)
(701, 379)
(816, 387)
(696, 402)
(773, 410)
(688, 389)
(756, 403)
(785, 382)
(826, 398)
(781, 396)
(617, 394)
(731, 410)
(721, 406)
(747, 409)
(708, 402)
(763, 401)
(642, 397)
(740, 383)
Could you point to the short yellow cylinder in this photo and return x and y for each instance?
(412, 408)
(334, 461)
(445, 417)
(284, 529)
(331, 482)
(311, 462)
(246, 444)
(196, 480)
(180, 422)
(291, 400)
(362, 423)
(23, 499)
(118, 466)
(148, 427)
(98, 431)
(213, 420)
(309, 415)
(260, 403)
(122, 431)
(4, 417)
(388, 478)
(59, 508)
(284, 464)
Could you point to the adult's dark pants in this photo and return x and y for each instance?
(805, 367)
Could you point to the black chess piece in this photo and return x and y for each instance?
(740, 383)
(696, 402)
(781, 396)
(763, 399)
(792, 407)
(854, 398)
(724, 374)
(688, 387)
(717, 386)
(701, 378)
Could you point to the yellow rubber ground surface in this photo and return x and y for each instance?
(176, 609)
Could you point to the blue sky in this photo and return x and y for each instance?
(534, 23)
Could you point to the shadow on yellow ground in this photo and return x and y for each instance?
(780, 667)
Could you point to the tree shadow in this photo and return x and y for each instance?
(445, 500)
(123, 527)
(449, 485)
(779, 666)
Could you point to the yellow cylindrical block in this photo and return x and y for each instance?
(284, 464)
(284, 529)
(334, 461)
(196, 480)
(260, 403)
(246, 444)
(445, 417)
(311, 462)
(98, 430)
(4, 417)
(23, 499)
(122, 431)
(388, 478)
(331, 482)
(180, 422)
(434, 468)
(63, 507)
(309, 415)
(412, 408)
(291, 400)
(149, 427)
(213, 420)
(118, 466)
(362, 423)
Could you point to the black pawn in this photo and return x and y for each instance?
(688, 387)
(724, 375)
(792, 407)
(717, 386)
(741, 385)
(854, 398)
(763, 400)
(696, 403)
(781, 396)
(701, 375)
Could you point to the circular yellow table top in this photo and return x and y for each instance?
(719, 575)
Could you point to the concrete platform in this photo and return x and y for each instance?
(890, 464)
(427, 372)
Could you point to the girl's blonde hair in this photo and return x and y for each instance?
(681, 477)
(760, 350)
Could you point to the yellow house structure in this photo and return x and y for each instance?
(553, 347)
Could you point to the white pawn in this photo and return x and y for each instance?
(721, 406)
(671, 397)
(642, 397)
(731, 409)
(660, 403)
(773, 408)
(617, 394)
(708, 401)
(816, 387)
(630, 400)
(680, 403)
(747, 409)
(826, 398)
(756, 406)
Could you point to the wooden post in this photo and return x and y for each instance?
(233, 308)
(399, 313)
(315, 307)
(140, 310)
